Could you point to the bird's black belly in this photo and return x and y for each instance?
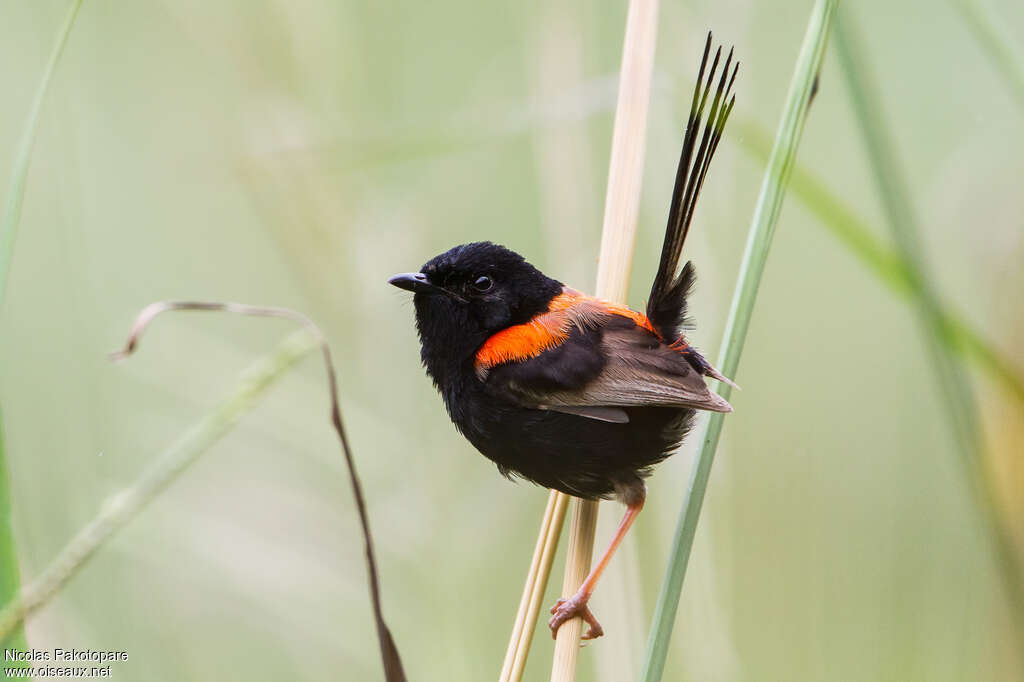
(576, 455)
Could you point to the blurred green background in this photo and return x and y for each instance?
(299, 153)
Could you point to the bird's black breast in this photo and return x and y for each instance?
(575, 455)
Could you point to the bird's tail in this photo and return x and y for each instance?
(666, 307)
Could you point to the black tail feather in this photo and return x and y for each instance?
(666, 307)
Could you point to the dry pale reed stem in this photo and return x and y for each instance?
(625, 172)
(577, 564)
(524, 601)
(550, 534)
(529, 589)
(622, 204)
(563, 168)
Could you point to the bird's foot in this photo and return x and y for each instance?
(567, 609)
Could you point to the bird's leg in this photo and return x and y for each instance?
(576, 605)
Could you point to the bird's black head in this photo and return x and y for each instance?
(468, 293)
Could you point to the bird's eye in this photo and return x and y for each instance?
(482, 283)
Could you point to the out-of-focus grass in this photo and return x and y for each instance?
(955, 386)
(208, 150)
(9, 570)
(19, 173)
(997, 42)
(125, 505)
(853, 230)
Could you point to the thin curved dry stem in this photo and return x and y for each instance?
(389, 651)
(154, 310)
(125, 505)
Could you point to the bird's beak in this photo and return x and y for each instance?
(417, 282)
(414, 281)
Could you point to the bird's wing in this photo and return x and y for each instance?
(609, 363)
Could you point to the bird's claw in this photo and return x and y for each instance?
(567, 609)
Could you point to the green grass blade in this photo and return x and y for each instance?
(762, 228)
(976, 348)
(997, 43)
(19, 173)
(855, 233)
(954, 385)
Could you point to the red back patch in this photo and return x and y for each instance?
(550, 329)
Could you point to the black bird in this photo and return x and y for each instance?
(562, 389)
